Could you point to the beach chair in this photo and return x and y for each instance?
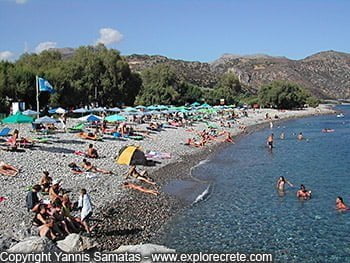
(77, 128)
(5, 132)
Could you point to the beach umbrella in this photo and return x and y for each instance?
(90, 118)
(195, 104)
(130, 109)
(60, 110)
(152, 107)
(115, 117)
(205, 105)
(46, 120)
(17, 118)
(99, 109)
(52, 111)
(131, 155)
(29, 112)
(140, 107)
(115, 109)
(80, 110)
(162, 107)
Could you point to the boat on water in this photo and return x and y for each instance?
(341, 115)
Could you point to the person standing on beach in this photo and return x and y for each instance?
(270, 141)
(85, 205)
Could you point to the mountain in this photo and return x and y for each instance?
(325, 74)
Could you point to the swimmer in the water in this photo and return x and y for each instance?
(282, 136)
(300, 136)
(270, 141)
(282, 182)
(303, 193)
(340, 205)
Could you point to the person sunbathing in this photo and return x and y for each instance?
(91, 168)
(88, 136)
(92, 152)
(7, 169)
(140, 188)
(142, 176)
(16, 141)
(75, 168)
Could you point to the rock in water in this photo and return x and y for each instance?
(33, 244)
(76, 243)
(145, 250)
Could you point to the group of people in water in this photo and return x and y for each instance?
(302, 193)
(305, 194)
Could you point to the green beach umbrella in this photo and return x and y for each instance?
(115, 117)
(18, 118)
(130, 109)
(195, 104)
(205, 105)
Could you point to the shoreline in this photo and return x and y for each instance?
(161, 209)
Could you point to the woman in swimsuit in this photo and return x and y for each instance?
(9, 170)
(140, 188)
(281, 183)
(340, 205)
(303, 193)
(142, 176)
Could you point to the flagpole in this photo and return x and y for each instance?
(37, 96)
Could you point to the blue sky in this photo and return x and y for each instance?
(200, 30)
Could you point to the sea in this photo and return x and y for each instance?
(240, 210)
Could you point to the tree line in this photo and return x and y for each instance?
(95, 74)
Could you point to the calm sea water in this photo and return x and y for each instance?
(244, 212)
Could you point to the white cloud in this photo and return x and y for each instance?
(6, 55)
(109, 36)
(45, 46)
(21, 1)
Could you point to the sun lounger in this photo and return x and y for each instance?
(5, 132)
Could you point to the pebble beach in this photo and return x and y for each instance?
(125, 216)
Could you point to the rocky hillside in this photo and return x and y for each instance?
(325, 74)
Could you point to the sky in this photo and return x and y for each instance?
(196, 30)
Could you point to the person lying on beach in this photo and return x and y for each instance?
(228, 137)
(91, 152)
(91, 168)
(75, 168)
(142, 176)
(140, 188)
(339, 204)
(45, 181)
(193, 142)
(270, 141)
(303, 193)
(88, 136)
(7, 169)
(281, 182)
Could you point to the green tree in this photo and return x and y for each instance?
(283, 95)
(228, 88)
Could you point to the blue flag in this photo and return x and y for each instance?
(44, 85)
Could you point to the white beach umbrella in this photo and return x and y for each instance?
(46, 119)
(29, 112)
(60, 110)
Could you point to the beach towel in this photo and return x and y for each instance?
(2, 198)
(80, 153)
(157, 155)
